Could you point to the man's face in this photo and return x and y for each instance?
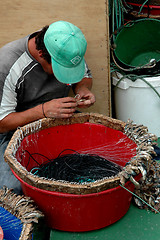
(47, 67)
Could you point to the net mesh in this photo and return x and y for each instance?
(78, 168)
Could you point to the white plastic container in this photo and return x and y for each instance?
(138, 101)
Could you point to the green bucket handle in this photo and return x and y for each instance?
(151, 64)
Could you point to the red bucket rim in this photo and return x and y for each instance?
(145, 6)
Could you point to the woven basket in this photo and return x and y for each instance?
(19, 215)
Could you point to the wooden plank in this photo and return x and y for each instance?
(19, 18)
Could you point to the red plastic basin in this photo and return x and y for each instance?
(71, 212)
(77, 213)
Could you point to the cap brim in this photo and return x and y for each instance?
(68, 75)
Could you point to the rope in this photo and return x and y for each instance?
(140, 199)
(149, 65)
(142, 6)
(116, 11)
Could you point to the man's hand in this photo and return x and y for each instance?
(56, 108)
(85, 100)
(60, 108)
(84, 97)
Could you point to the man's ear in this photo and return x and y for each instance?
(40, 53)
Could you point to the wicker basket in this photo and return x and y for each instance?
(52, 185)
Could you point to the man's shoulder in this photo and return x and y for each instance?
(15, 47)
(11, 52)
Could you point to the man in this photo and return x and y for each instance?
(36, 74)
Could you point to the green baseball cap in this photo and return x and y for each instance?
(67, 45)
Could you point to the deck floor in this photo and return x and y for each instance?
(136, 224)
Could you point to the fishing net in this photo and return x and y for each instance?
(77, 168)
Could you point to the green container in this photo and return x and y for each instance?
(137, 45)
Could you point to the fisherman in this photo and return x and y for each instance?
(36, 74)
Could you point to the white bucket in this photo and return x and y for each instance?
(138, 101)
